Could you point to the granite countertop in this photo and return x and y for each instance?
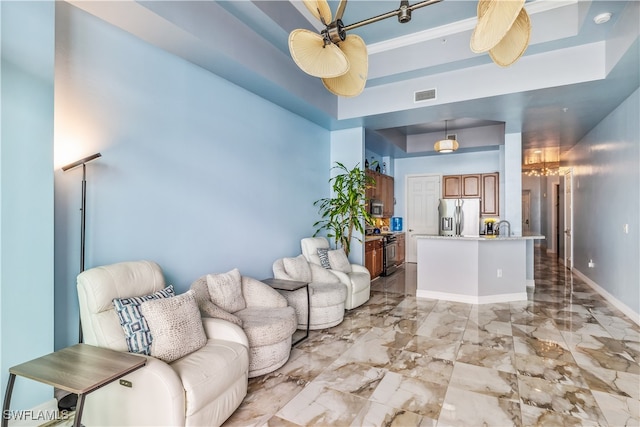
(483, 238)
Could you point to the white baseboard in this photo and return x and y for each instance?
(606, 295)
(472, 299)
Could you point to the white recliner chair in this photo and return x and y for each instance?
(356, 277)
(201, 388)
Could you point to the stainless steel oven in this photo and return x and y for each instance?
(390, 257)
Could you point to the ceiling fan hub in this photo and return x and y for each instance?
(404, 13)
(334, 33)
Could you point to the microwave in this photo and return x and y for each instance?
(376, 208)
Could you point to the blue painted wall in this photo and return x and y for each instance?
(196, 173)
(26, 192)
(606, 183)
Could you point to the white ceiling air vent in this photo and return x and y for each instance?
(424, 95)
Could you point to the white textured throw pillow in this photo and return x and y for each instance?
(298, 268)
(225, 290)
(339, 261)
(175, 325)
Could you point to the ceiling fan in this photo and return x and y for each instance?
(341, 59)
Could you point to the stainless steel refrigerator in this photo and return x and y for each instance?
(459, 217)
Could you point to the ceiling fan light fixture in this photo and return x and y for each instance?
(330, 56)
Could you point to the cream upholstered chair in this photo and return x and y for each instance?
(326, 293)
(263, 313)
(356, 277)
(203, 387)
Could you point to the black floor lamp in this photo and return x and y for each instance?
(69, 401)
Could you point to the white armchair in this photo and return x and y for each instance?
(202, 388)
(356, 277)
(266, 319)
(325, 306)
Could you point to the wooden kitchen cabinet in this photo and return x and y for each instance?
(373, 257)
(461, 186)
(370, 193)
(400, 252)
(471, 185)
(451, 187)
(387, 196)
(485, 186)
(383, 190)
(490, 199)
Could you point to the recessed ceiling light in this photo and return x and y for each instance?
(602, 18)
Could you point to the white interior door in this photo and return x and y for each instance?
(568, 219)
(423, 195)
(526, 211)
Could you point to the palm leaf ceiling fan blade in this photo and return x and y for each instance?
(353, 81)
(513, 45)
(339, 60)
(310, 53)
(320, 9)
(495, 18)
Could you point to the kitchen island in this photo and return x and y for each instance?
(475, 270)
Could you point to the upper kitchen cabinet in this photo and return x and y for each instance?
(490, 199)
(456, 186)
(451, 187)
(383, 190)
(484, 186)
(471, 186)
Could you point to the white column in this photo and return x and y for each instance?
(512, 211)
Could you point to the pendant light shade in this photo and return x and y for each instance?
(446, 145)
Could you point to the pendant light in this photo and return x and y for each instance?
(446, 145)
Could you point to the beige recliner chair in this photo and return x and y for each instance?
(356, 277)
(326, 293)
(201, 388)
(267, 320)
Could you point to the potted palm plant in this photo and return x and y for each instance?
(346, 211)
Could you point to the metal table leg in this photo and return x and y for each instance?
(79, 407)
(7, 400)
(308, 318)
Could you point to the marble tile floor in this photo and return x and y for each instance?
(565, 357)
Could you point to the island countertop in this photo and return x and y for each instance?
(482, 238)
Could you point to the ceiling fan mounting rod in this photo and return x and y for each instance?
(400, 12)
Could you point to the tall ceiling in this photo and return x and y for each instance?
(572, 75)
